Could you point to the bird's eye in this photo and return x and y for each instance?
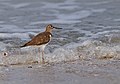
(51, 26)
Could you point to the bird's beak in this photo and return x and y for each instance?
(57, 28)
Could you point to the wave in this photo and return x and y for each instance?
(87, 50)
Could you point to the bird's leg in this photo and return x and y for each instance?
(43, 60)
(36, 54)
(39, 55)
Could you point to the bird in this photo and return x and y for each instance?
(42, 39)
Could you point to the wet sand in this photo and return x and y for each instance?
(76, 72)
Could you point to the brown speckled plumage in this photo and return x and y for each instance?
(40, 39)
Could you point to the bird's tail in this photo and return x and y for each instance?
(23, 45)
(26, 44)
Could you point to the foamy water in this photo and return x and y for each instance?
(90, 30)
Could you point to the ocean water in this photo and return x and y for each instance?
(85, 51)
(91, 30)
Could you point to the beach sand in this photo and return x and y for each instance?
(76, 72)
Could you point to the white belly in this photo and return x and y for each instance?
(42, 47)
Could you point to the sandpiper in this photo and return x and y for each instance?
(42, 39)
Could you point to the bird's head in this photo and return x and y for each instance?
(50, 27)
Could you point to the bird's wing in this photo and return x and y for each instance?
(40, 39)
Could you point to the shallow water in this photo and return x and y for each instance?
(90, 32)
(88, 26)
(78, 72)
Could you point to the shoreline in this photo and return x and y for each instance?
(83, 72)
